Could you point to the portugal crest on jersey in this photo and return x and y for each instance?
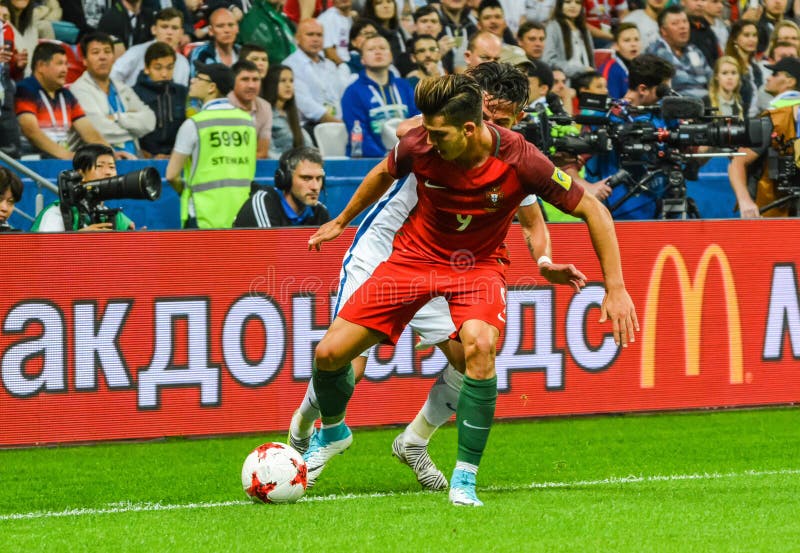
(494, 199)
(560, 177)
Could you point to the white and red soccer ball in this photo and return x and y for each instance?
(274, 473)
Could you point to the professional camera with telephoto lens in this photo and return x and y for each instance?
(87, 197)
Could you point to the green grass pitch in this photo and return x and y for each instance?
(712, 481)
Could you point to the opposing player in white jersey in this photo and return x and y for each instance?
(506, 92)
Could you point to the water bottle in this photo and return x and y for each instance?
(356, 140)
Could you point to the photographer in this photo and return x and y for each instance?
(648, 82)
(92, 161)
(750, 175)
(10, 195)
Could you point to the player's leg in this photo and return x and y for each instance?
(302, 425)
(411, 445)
(334, 380)
(475, 410)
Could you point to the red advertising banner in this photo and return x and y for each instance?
(148, 334)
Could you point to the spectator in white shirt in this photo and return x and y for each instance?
(336, 21)
(318, 84)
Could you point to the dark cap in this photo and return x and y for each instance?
(542, 71)
(220, 74)
(790, 66)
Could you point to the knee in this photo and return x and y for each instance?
(325, 356)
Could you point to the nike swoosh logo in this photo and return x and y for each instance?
(429, 185)
(468, 425)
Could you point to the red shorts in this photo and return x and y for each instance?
(399, 287)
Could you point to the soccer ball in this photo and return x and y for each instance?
(274, 473)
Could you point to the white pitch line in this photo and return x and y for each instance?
(612, 481)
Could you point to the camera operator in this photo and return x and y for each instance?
(92, 161)
(750, 174)
(648, 81)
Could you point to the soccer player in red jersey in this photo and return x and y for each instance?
(472, 176)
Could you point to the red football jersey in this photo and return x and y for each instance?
(467, 212)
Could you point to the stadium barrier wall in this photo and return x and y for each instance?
(149, 334)
(712, 192)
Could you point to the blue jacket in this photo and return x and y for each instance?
(373, 105)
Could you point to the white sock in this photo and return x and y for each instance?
(308, 410)
(443, 397)
(467, 467)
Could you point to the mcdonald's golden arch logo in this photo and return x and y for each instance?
(691, 294)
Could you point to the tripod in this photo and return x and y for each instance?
(674, 205)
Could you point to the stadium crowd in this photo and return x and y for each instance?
(131, 74)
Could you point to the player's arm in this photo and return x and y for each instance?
(617, 304)
(374, 185)
(737, 173)
(537, 237)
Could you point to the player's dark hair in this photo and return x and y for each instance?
(9, 180)
(457, 98)
(86, 156)
(158, 50)
(102, 38)
(502, 81)
(527, 26)
(649, 70)
(45, 51)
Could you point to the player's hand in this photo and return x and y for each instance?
(567, 274)
(618, 306)
(748, 209)
(326, 232)
(97, 227)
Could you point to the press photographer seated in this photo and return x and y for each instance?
(92, 162)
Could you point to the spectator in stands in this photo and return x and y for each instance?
(540, 82)
(168, 28)
(752, 180)
(539, 11)
(112, 107)
(336, 22)
(222, 47)
(10, 195)
(376, 97)
(286, 130)
(126, 20)
(691, 70)
(44, 14)
(318, 84)
(294, 200)
(459, 23)
(742, 45)
(592, 82)
(775, 53)
(492, 19)
(562, 89)
(713, 12)
(701, 33)
(568, 43)
(626, 47)
(647, 21)
(427, 59)
(164, 96)
(427, 21)
(362, 29)
(245, 96)
(93, 162)
(47, 112)
(724, 88)
(531, 38)
(771, 15)
(384, 14)
(600, 14)
(257, 55)
(483, 47)
(784, 31)
(9, 128)
(26, 33)
(216, 150)
(266, 25)
(298, 10)
(75, 12)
